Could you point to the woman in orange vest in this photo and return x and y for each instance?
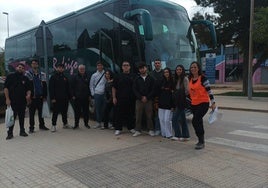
(201, 96)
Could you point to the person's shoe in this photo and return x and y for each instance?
(186, 139)
(151, 133)
(75, 127)
(199, 146)
(174, 138)
(102, 127)
(53, 128)
(87, 126)
(97, 126)
(117, 132)
(24, 134)
(137, 133)
(31, 131)
(157, 133)
(132, 131)
(44, 128)
(10, 136)
(66, 126)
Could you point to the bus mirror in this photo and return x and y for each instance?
(145, 19)
(211, 28)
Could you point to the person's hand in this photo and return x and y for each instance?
(143, 99)
(114, 100)
(8, 102)
(53, 100)
(213, 106)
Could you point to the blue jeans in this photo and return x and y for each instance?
(179, 124)
(99, 106)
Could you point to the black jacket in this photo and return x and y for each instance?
(59, 87)
(166, 94)
(123, 83)
(80, 86)
(143, 87)
(17, 85)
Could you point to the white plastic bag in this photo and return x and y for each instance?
(70, 112)
(9, 119)
(45, 110)
(214, 116)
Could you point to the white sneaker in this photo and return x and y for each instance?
(174, 138)
(66, 126)
(97, 126)
(117, 132)
(132, 131)
(137, 133)
(53, 128)
(151, 133)
(157, 133)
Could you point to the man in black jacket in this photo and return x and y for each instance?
(80, 94)
(59, 96)
(143, 88)
(18, 94)
(38, 94)
(124, 99)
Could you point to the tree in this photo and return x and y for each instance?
(233, 27)
(2, 62)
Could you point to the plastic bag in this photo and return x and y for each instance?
(70, 112)
(9, 119)
(214, 116)
(45, 110)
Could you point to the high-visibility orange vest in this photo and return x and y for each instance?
(198, 92)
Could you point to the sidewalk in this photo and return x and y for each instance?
(96, 158)
(257, 104)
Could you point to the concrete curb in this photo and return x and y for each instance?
(243, 109)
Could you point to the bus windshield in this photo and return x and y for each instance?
(172, 42)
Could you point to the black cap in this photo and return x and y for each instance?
(141, 65)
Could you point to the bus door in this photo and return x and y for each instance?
(107, 51)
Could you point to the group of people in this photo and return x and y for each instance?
(153, 101)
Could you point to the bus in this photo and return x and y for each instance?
(112, 31)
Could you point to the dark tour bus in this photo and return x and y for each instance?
(111, 31)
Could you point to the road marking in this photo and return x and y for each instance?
(250, 134)
(238, 144)
(261, 127)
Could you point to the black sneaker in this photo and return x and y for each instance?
(75, 127)
(87, 126)
(10, 136)
(44, 128)
(199, 146)
(31, 131)
(24, 134)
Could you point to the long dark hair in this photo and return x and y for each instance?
(199, 69)
(111, 73)
(170, 74)
(181, 77)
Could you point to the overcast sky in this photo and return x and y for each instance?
(25, 14)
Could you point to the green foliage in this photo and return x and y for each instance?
(2, 64)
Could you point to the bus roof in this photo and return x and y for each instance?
(165, 3)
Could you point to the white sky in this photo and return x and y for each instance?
(25, 14)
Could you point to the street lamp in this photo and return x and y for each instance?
(6, 13)
(250, 50)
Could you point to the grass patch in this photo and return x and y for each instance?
(240, 94)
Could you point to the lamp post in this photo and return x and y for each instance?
(6, 13)
(250, 50)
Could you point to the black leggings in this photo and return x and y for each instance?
(199, 111)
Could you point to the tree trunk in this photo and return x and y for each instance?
(245, 74)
